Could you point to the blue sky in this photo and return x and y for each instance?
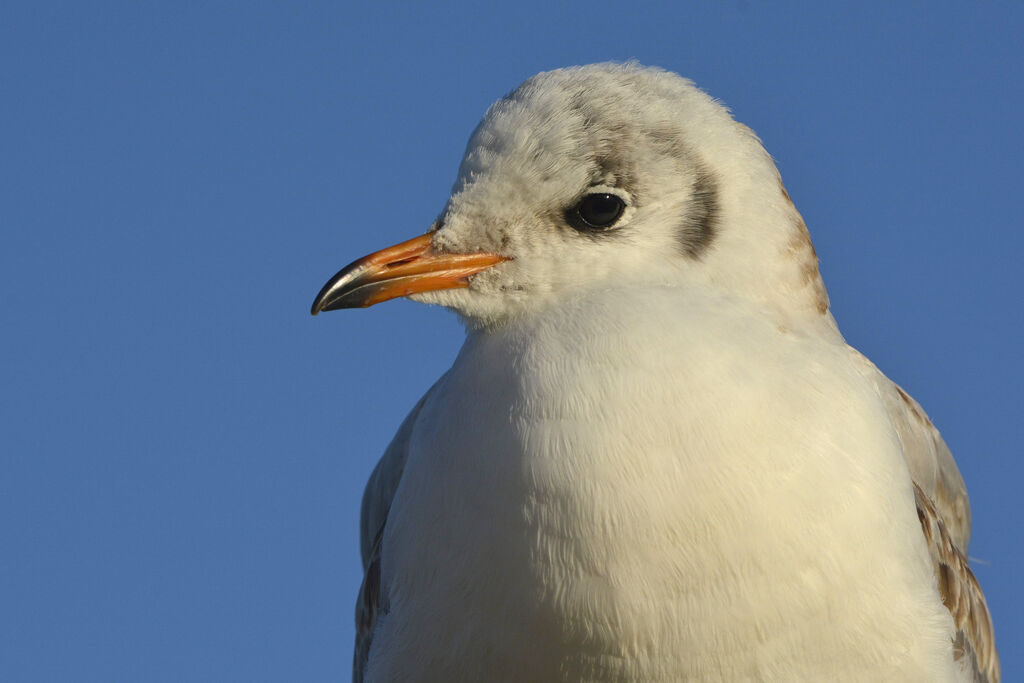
(184, 447)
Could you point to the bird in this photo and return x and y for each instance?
(655, 457)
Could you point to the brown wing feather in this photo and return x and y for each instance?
(961, 594)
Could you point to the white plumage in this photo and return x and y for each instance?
(655, 458)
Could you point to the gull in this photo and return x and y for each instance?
(655, 457)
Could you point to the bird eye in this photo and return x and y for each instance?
(596, 211)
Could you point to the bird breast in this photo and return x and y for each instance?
(637, 478)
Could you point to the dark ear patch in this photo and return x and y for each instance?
(700, 224)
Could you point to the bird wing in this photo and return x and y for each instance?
(945, 514)
(931, 464)
(377, 497)
(962, 596)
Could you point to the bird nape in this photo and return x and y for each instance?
(655, 457)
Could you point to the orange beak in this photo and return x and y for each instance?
(401, 270)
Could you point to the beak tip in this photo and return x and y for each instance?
(327, 304)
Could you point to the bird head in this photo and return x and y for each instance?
(599, 177)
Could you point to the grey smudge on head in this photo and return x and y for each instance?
(700, 223)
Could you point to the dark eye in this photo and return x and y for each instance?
(596, 211)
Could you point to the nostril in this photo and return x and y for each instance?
(400, 262)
